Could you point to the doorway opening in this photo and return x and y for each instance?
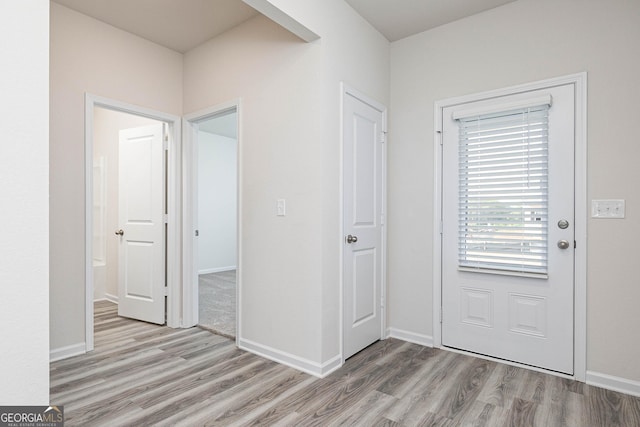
(113, 134)
(217, 222)
(212, 273)
(131, 212)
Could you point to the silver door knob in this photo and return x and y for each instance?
(120, 232)
(563, 244)
(352, 239)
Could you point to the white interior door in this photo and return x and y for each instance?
(141, 264)
(508, 228)
(363, 215)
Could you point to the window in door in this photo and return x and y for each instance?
(503, 197)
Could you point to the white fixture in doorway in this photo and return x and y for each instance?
(443, 109)
(363, 223)
(191, 124)
(173, 194)
(141, 223)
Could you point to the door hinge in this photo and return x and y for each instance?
(382, 219)
(575, 244)
(440, 315)
(197, 233)
(441, 227)
(165, 218)
(166, 291)
(383, 137)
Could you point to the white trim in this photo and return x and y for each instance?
(412, 337)
(111, 298)
(610, 382)
(581, 207)
(348, 90)
(216, 270)
(107, 297)
(67, 351)
(339, 237)
(282, 18)
(173, 193)
(581, 236)
(502, 106)
(189, 157)
(310, 367)
(189, 246)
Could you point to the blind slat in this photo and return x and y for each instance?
(503, 183)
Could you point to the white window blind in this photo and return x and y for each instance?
(503, 198)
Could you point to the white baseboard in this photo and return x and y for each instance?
(107, 297)
(413, 337)
(66, 352)
(610, 382)
(216, 270)
(112, 298)
(299, 363)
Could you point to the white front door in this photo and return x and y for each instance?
(141, 263)
(508, 228)
(363, 184)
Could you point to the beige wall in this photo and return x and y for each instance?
(524, 41)
(290, 149)
(89, 56)
(24, 179)
(106, 135)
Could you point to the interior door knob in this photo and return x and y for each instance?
(352, 239)
(563, 244)
(120, 232)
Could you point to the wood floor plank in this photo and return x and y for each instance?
(468, 385)
(346, 396)
(430, 392)
(567, 410)
(522, 413)
(367, 410)
(142, 375)
(156, 411)
(482, 414)
(230, 404)
(502, 386)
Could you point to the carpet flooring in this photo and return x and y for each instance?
(217, 302)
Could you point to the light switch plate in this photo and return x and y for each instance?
(607, 208)
(281, 207)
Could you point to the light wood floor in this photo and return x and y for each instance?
(141, 374)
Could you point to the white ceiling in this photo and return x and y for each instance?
(182, 25)
(397, 19)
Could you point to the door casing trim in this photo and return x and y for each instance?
(190, 290)
(579, 81)
(173, 190)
